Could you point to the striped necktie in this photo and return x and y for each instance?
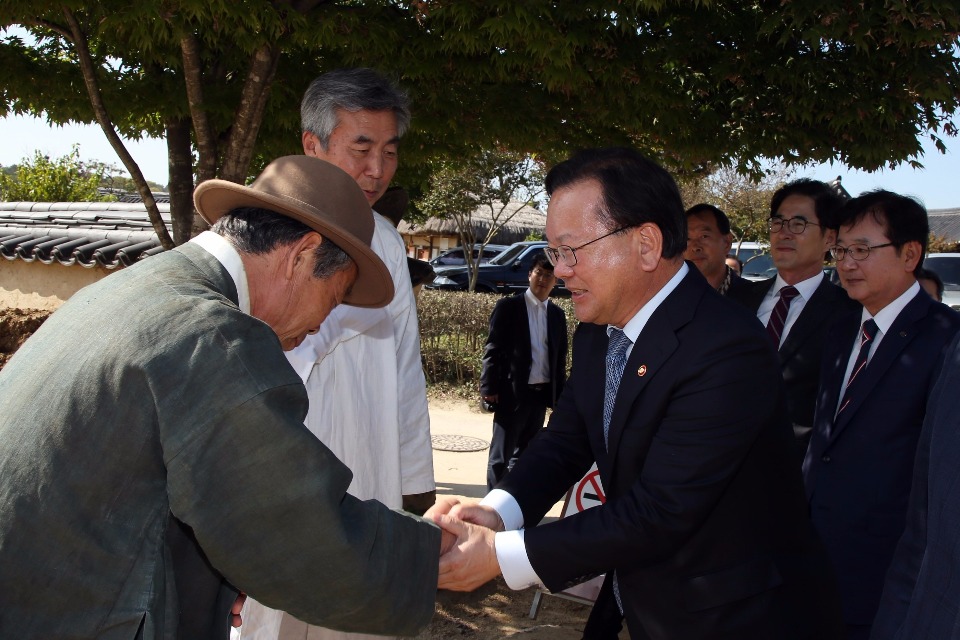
(779, 316)
(867, 333)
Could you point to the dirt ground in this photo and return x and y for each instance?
(494, 610)
(16, 325)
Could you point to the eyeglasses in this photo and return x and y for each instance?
(857, 251)
(794, 225)
(568, 254)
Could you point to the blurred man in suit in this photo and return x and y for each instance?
(704, 533)
(879, 365)
(708, 243)
(921, 595)
(931, 283)
(799, 304)
(524, 366)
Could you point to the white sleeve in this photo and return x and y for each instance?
(509, 545)
(416, 452)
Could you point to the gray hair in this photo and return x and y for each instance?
(257, 231)
(351, 90)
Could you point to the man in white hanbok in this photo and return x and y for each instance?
(362, 370)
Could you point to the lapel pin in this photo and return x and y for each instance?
(642, 371)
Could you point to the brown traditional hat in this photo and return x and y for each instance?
(319, 195)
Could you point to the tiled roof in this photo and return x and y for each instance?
(90, 234)
(945, 222)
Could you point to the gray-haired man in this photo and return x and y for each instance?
(367, 359)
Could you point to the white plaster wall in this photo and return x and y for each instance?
(34, 285)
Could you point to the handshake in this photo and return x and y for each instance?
(468, 557)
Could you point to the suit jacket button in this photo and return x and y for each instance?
(825, 459)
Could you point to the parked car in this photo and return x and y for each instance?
(757, 262)
(506, 273)
(947, 266)
(455, 256)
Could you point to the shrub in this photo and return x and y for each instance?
(453, 329)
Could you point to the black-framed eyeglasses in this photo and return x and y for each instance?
(794, 225)
(857, 251)
(568, 254)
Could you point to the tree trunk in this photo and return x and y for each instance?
(180, 187)
(193, 80)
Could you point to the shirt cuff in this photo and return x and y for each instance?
(506, 507)
(514, 564)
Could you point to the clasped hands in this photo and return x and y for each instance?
(468, 557)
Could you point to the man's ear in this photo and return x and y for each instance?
(910, 252)
(301, 254)
(650, 241)
(830, 237)
(311, 144)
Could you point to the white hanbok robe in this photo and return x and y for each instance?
(368, 404)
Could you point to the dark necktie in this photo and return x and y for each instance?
(779, 316)
(867, 333)
(616, 361)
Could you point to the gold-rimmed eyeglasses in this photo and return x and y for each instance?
(568, 255)
(857, 251)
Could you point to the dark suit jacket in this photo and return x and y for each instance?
(705, 522)
(921, 596)
(859, 466)
(802, 351)
(507, 356)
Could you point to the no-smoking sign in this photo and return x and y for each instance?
(587, 493)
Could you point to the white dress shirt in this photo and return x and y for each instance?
(884, 319)
(806, 289)
(537, 321)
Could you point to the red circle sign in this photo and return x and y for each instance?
(589, 491)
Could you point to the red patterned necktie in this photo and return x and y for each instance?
(779, 316)
(867, 333)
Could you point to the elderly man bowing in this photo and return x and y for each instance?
(130, 405)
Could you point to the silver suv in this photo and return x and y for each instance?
(947, 266)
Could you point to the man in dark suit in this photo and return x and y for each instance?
(921, 594)
(879, 365)
(799, 304)
(704, 532)
(524, 366)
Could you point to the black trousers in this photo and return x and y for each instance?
(513, 429)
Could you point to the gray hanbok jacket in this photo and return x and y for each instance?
(150, 393)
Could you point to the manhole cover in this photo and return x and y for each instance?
(458, 443)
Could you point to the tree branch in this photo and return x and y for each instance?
(52, 26)
(249, 116)
(103, 118)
